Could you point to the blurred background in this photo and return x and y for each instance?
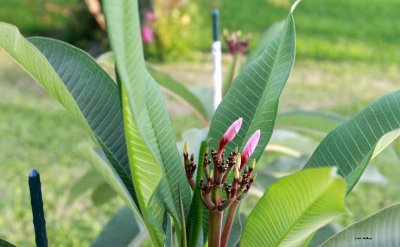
(348, 55)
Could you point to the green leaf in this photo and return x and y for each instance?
(309, 122)
(79, 85)
(255, 93)
(322, 235)
(180, 92)
(385, 141)
(146, 174)
(195, 216)
(99, 162)
(102, 194)
(183, 239)
(149, 114)
(122, 230)
(4, 243)
(96, 94)
(295, 207)
(383, 228)
(351, 146)
(91, 179)
(268, 36)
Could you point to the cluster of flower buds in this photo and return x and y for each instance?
(236, 41)
(218, 178)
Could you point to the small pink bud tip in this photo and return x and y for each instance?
(250, 147)
(229, 135)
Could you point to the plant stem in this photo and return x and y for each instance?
(228, 223)
(214, 228)
(191, 183)
(215, 220)
(231, 73)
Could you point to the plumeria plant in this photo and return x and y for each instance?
(194, 201)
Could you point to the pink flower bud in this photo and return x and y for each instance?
(229, 135)
(147, 34)
(250, 147)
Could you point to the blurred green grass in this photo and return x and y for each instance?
(347, 57)
(337, 30)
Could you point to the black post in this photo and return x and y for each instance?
(39, 222)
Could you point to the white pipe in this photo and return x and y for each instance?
(217, 73)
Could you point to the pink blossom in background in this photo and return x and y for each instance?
(147, 34)
(149, 16)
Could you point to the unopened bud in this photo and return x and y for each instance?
(238, 160)
(210, 175)
(237, 173)
(186, 148)
(253, 164)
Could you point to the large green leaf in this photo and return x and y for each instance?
(146, 174)
(295, 207)
(82, 88)
(122, 230)
(147, 107)
(351, 146)
(97, 97)
(254, 95)
(379, 230)
(309, 122)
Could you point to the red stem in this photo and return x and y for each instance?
(229, 223)
(214, 228)
(191, 183)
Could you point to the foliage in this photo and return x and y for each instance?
(175, 26)
(153, 183)
(379, 229)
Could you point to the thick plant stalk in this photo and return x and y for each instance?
(215, 227)
(228, 223)
(216, 216)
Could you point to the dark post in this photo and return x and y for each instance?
(215, 25)
(39, 222)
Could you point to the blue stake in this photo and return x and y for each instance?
(39, 222)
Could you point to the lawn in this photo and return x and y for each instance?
(347, 58)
